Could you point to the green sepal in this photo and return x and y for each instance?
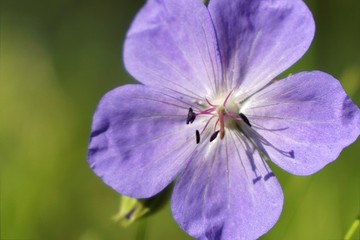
(132, 209)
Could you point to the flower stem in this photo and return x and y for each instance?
(141, 229)
(353, 228)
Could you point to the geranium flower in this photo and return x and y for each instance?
(209, 113)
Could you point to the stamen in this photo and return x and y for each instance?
(191, 116)
(245, 119)
(213, 136)
(207, 100)
(216, 123)
(197, 136)
(207, 123)
(207, 111)
(227, 97)
(221, 115)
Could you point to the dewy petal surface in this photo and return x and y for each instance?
(172, 44)
(227, 192)
(259, 39)
(304, 121)
(138, 141)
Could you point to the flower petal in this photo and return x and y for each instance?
(227, 192)
(304, 121)
(172, 44)
(139, 142)
(259, 39)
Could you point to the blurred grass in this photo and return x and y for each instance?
(58, 58)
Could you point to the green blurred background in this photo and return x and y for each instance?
(59, 57)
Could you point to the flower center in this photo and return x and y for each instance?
(224, 115)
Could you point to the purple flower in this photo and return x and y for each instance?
(209, 114)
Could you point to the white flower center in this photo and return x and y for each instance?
(222, 113)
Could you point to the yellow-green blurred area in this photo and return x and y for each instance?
(59, 57)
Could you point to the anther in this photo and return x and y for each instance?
(197, 136)
(213, 136)
(191, 116)
(245, 119)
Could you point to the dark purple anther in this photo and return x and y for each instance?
(197, 136)
(191, 116)
(213, 136)
(245, 119)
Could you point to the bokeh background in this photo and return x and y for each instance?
(59, 57)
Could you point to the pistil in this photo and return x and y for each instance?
(221, 113)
